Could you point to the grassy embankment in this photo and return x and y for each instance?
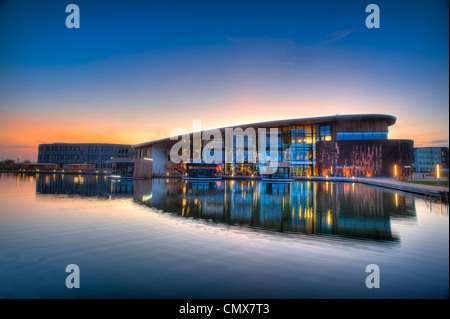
(431, 183)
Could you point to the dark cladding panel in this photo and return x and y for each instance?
(364, 157)
(361, 126)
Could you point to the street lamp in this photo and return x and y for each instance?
(437, 173)
(395, 171)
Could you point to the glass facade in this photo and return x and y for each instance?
(202, 170)
(281, 173)
(303, 148)
(296, 146)
(342, 136)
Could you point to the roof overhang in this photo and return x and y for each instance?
(302, 121)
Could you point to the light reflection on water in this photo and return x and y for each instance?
(356, 211)
(226, 239)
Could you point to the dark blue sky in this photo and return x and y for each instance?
(34, 33)
(224, 62)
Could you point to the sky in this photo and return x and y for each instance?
(136, 70)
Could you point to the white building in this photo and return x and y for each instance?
(426, 158)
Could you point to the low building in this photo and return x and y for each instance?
(426, 159)
(122, 166)
(79, 167)
(82, 153)
(37, 167)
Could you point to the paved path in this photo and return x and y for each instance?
(408, 187)
(388, 182)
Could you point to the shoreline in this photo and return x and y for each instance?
(386, 182)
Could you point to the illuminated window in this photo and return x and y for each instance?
(325, 133)
(344, 136)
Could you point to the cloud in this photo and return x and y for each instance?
(259, 43)
(18, 146)
(438, 142)
(336, 36)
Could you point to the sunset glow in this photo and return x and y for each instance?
(133, 75)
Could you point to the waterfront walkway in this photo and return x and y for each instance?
(408, 187)
(388, 182)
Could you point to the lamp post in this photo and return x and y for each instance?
(437, 173)
(395, 171)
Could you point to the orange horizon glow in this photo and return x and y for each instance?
(22, 132)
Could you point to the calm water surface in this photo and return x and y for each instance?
(167, 238)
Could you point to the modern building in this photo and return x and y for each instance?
(427, 158)
(445, 157)
(82, 153)
(344, 145)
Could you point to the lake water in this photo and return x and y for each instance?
(167, 238)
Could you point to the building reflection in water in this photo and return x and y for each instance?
(83, 185)
(345, 209)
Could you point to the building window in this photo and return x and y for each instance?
(367, 135)
(325, 133)
(344, 136)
